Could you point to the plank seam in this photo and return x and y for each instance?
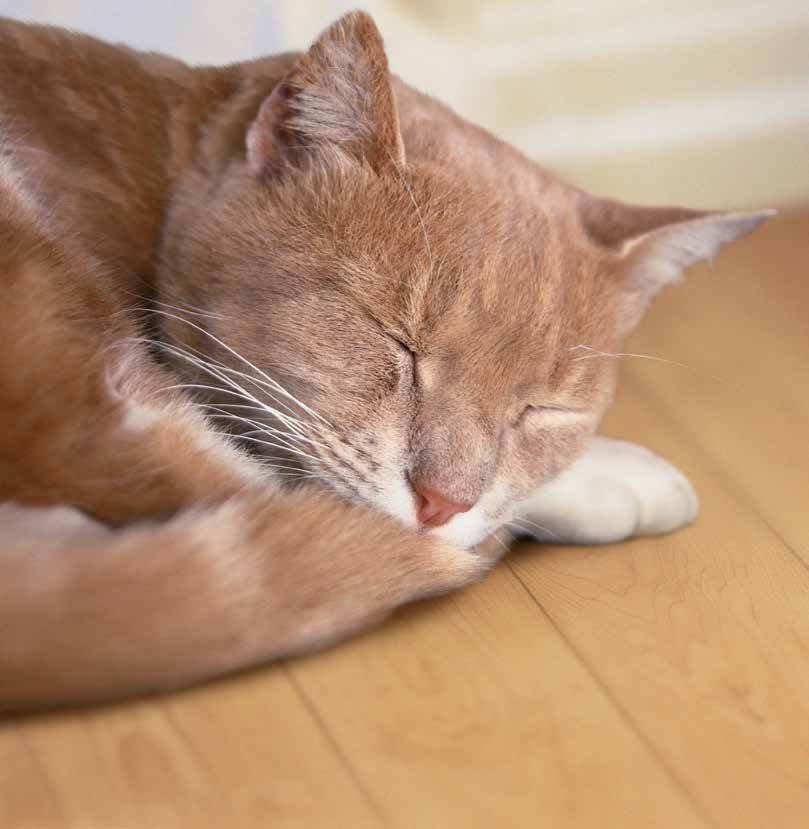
(622, 711)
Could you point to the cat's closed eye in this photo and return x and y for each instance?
(405, 350)
(405, 347)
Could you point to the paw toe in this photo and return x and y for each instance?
(669, 503)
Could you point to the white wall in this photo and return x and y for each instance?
(686, 101)
(200, 31)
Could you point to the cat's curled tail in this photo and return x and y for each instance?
(91, 613)
(202, 564)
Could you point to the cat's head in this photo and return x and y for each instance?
(405, 307)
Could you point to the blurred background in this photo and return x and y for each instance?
(705, 104)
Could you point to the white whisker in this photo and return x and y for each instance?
(501, 543)
(281, 446)
(208, 367)
(190, 309)
(406, 184)
(273, 383)
(533, 525)
(595, 353)
(260, 428)
(222, 372)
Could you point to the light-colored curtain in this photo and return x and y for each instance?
(655, 101)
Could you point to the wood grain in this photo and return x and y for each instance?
(241, 753)
(474, 713)
(707, 633)
(659, 683)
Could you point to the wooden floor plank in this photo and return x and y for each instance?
(269, 756)
(240, 753)
(702, 636)
(26, 796)
(471, 712)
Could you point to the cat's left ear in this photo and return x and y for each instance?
(651, 246)
(335, 103)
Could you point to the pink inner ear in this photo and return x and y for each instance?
(659, 256)
(657, 243)
(264, 137)
(612, 223)
(337, 96)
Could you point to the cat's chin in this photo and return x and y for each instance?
(467, 530)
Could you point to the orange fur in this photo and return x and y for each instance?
(300, 225)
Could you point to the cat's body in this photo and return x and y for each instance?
(381, 299)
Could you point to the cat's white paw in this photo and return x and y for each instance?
(615, 490)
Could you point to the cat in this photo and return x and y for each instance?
(286, 344)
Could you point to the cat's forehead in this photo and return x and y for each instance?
(490, 259)
(442, 231)
(458, 263)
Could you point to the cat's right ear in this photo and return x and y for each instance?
(649, 247)
(336, 101)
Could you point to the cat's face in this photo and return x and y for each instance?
(420, 314)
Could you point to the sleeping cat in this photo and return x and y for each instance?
(284, 345)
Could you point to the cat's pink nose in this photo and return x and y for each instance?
(434, 509)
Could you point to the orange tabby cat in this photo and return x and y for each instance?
(280, 344)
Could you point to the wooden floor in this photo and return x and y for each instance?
(658, 683)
